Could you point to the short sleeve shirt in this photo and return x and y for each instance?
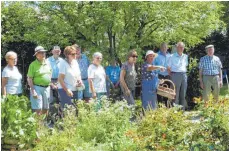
(83, 64)
(113, 72)
(162, 60)
(130, 77)
(98, 76)
(148, 75)
(55, 64)
(71, 74)
(40, 72)
(13, 85)
(178, 63)
(210, 65)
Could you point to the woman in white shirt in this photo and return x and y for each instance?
(69, 77)
(11, 77)
(97, 78)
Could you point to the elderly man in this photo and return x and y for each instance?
(177, 68)
(210, 73)
(39, 79)
(84, 63)
(162, 60)
(54, 61)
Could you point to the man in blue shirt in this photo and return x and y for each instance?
(84, 63)
(210, 74)
(113, 75)
(54, 61)
(177, 68)
(162, 60)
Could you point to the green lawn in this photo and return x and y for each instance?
(224, 90)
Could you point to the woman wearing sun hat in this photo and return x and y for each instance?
(150, 81)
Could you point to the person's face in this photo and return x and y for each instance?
(41, 55)
(180, 49)
(133, 58)
(78, 53)
(113, 63)
(72, 55)
(164, 48)
(12, 60)
(98, 60)
(210, 51)
(56, 52)
(150, 58)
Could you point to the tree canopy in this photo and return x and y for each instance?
(110, 27)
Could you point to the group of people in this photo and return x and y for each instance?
(76, 78)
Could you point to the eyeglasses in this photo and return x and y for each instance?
(99, 58)
(73, 54)
(135, 56)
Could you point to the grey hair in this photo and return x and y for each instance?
(10, 53)
(180, 43)
(97, 54)
(164, 44)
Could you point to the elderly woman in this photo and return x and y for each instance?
(97, 79)
(69, 77)
(11, 77)
(128, 77)
(39, 79)
(150, 81)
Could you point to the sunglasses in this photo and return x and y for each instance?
(134, 56)
(73, 54)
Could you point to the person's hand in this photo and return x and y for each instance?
(69, 93)
(201, 84)
(116, 85)
(53, 86)
(127, 92)
(161, 81)
(162, 69)
(220, 84)
(94, 95)
(34, 93)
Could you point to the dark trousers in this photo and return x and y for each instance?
(162, 99)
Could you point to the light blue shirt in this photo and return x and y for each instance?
(162, 60)
(55, 64)
(113, 73)
(83, 64)
(178, 63)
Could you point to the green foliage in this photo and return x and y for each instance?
(91, 130)
(17, 121)
(110, 27)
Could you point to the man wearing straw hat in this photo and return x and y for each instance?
(210, 73)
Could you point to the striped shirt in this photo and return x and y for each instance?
(210, 65)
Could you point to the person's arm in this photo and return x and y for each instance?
(201, 78)
(152, 67)
(123, 83)
(221, 78)
(61, 81)
(169, 65)
(92, 87)
(4, 82)
(31, 85)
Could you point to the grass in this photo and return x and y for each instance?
(224, 90)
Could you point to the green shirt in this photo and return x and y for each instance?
(40, 72)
